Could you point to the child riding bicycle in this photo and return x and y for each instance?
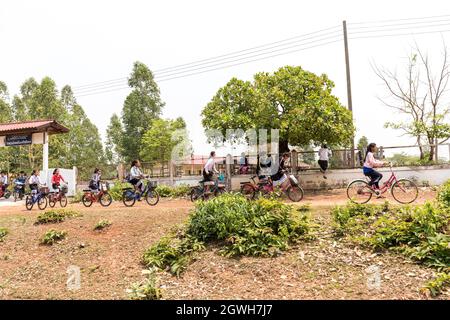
(56, 180)
(368, 169)
(136, 175)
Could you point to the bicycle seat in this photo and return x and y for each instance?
(127, 188)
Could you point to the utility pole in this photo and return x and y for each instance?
(349, 87)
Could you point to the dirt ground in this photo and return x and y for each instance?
(110, 260)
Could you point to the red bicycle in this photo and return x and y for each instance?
(102, 196)
(60, 196)
(403, 190)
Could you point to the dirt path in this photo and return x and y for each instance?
(110, 260)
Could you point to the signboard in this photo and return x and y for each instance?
(18, 140)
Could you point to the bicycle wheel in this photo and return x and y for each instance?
(105, 199)
(359, 191)
(196, 193)
(29, 202)
(87, 200)
(404, 191)
(128, 198)
(248, 191)
(51, 200)
(63, 201)
(295, 193)
(152, 197)
(42, 203)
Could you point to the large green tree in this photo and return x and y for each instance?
(140, 108)
(297, 102)
(159, 141)
(113, 146)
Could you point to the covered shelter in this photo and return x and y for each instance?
(30, 132)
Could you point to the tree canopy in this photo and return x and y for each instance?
(297, 102)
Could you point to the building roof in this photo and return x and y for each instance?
(50, 126)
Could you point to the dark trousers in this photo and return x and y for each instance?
(207, 176)
(375, 178)
(323, 165)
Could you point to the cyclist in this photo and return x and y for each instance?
(136, 175)
(4, 180)
(209, 169)
(94, 184)
(279, 178)
(56, 180)
(35, 181)
(20, 181)
(368, 169)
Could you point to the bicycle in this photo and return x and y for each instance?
(403, 190)
(60, 196)
(39, 197)
(18, 191)
(265, 187)
(102, 196)
(150, 194)
(199, 191)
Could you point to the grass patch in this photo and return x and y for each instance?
(56, 216)
(52, 236)
(3, 233)
(101, 225)
(147, 289)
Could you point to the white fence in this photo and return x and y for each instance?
(69, 175)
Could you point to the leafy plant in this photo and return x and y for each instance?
(101, 225)
(437, 285)
(3, 233)
(179, 191)
(444, 194)
(116, 190)
(147, 289)
(52, 236)
(56, 216)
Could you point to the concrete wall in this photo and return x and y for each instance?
(70, 175)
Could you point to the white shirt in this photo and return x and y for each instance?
(324, 154)
(371, 162)
(210, 166)
(4, 179)
(35, 180)
(135, 172)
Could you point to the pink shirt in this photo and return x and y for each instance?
(371, 162)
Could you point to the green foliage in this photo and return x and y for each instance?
(437, 285)
(102, 224)
(56, 216)
(180, 191)
(172, 253)
(77, 196)
(147, 289)
(295, 101)
(114, 132)
(419, 232)
(52, 236)
(444, 194)
(3, 232)
(116, 191)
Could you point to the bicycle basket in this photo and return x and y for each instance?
(64, 189)
(153, 184)
(104, 186)
(44, 190)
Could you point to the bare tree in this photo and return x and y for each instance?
(419, 94)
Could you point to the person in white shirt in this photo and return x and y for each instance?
(35, 181)
(324, 157)
(210, 167)
(136, 175)
(4, 180)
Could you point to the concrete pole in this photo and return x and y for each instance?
(349, 87)
(45, 157)
(228, 171)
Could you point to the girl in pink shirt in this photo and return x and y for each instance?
(370, 163)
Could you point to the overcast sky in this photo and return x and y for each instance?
(83, 42)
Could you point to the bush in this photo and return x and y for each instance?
(56, 215)
(77, 197)
(444, 195)
(180, 191)
(241, 227)
(437, 285)
(101, 225)
(3, 234)
(147, 289)
(52, 236)
(116, 191)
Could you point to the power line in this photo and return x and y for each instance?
(402, 28)
(404, 19)
(399, 34)
(210, 65)
(399, 24)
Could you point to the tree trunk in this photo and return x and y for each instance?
(420, 148)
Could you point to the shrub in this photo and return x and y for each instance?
(52, 236)
(77, 197)
(436, 286)
(56, 215)
(3, 234)
(101, 225)
(116, 191)
(444, 194)
(147, 289)
(179, 191)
